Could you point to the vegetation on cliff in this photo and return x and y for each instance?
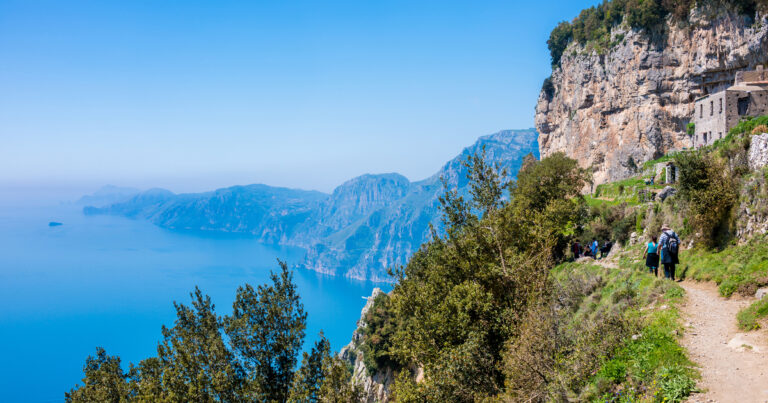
(594, 24)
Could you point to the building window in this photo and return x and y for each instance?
(743, 106)
(705, 138)
(701, 110)
(721, 105)
(711, 108)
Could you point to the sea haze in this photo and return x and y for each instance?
(111, 281)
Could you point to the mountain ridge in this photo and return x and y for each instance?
(366, 225)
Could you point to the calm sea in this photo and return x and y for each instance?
(111, 282)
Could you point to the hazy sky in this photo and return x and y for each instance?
(194, 95)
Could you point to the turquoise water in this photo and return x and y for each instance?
(111, 282)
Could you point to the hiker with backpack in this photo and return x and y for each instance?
(606, 248)
(576, 250)
(670, 246)
(651, 256)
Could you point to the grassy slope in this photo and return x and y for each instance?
(650, 365)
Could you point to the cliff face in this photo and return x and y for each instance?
(376, 388)
(632, 104)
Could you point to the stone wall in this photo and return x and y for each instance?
(710, 117)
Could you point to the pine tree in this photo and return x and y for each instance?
(266, 331)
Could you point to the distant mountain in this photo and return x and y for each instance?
(368, 224)
(107, 195)
(388, 236)
(270, 213)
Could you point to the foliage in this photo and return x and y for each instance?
(308, 380)
(266, 330)
(653, 364)
(460, 298)
(558, 41)
(749, 317)
(195, 362)
(377, 336)
(710, 191)
(337, 386)
(747, 126)
(598, 344)
(690, 128)
(606, 222)
(486, 183)
(739, 268)
(104, 381)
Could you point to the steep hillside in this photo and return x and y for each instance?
(388, 236)
(368, 224)
(616, 101)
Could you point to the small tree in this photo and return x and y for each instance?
(309, 378)
(104, 381)
(266, 330)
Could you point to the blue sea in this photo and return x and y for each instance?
(111, 282)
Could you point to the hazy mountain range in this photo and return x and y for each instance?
(364, 226)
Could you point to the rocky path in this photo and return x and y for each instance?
(733, 364)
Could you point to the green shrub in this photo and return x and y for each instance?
(690, 128)
(748, 317)
(729, 285)
(676, 384)
(558, 41)
(377, 336)
(710, 191)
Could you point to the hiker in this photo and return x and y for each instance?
(594, 248)
(651, 256)
(576, 249)
(606, 248)
(670, 246)
(587, 252)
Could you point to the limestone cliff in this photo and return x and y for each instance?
(376, 387)
(630, 104)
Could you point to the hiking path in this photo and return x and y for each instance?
(733, 363)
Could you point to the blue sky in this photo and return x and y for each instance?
(194, 95)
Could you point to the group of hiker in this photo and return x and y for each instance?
(591, 249)
(664, 252)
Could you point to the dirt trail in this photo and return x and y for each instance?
(734, 364)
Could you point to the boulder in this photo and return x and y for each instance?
(761, 292)
(758, 151)
(668, 191)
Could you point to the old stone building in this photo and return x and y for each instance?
(718, 112)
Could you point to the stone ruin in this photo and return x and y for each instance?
(718, 112)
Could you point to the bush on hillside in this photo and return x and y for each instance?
(461, 298)
(377, 336)
(606, 222)
(710, 192)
